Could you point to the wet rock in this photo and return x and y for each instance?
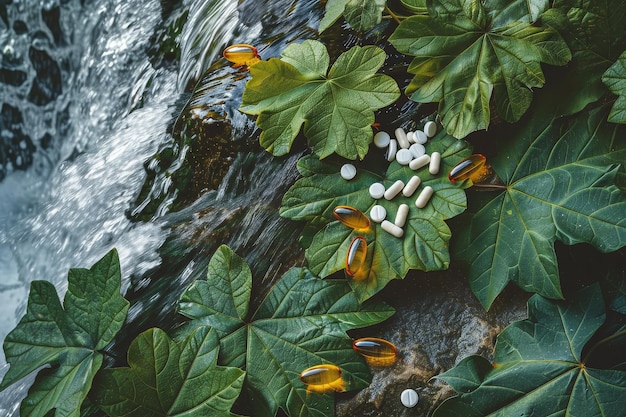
(47, 85)
(16, 147)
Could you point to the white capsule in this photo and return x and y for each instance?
(381, 139)
(401, 138)
(417, 150)
(378, 213)
(420, 137)
(377, 190)
(391, 150)
(392, 229)
(401, 215)
(435, 161)
(417, 163)
(410, 136)
(393, 191)
(348, 171)
(424, 197)
(404, 156)
(430, 128)
(411, 186)
(409, 398)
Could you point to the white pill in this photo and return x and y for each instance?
(430, 128)
(420, 137)
(417, 163)
(411, 186)
(417, 150)
(348, 171)
(393, 191)
(381, 139)
(410, 136)
(401, 215)
(409, 398)
(377, 190)
(401, 138)
(435, 161)
(378, 213)
(424, 197)
(392, 229)
(391, 150)
(404, 156)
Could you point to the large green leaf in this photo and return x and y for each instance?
(170, 379)
(301, 323)
(361, 15)
(467, 51)
(539, 367)
(615, 79)
(66, 337)
(559, 185)
(424, 245)
(336, 106)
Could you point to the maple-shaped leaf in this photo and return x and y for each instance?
(559, 184)
(166, 378)
(615, 80)
(68, 338)
(336, 106)
(423, 246)
(539, 367)
(301, 323)
(361, 15)
(468, 51)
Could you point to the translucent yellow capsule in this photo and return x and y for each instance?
(242, 54)
(355, 258)
(377, 352)
(323, 378)
(351, 217)
(474, 167)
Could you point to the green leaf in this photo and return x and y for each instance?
(301, 323)
(559, 185)
(424, 245)
(66, 337)
(467, 51)
(361, 15)
(539, 369)
(336, 108)
(615, 80)
(170, 379)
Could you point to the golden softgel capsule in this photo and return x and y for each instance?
(351, 217)
(377, 352)
(357, 253)
(474, 167)
(242, 54)
(323, 378)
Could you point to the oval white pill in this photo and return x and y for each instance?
(381, 139)
(409, 398)
(417, 150)
(411, 186)
(403, 142)
(378, 213)
(424, 197)
(417, 163)
(391, 150)
(401, 215)
(377, 190)
(393, 191)
(420, 137)
(392, 229)
(348, 171)
(430, 128)
(435, 161)
(410, 136)
(404, 156)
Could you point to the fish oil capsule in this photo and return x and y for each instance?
(377, 190)
(424, 197)
(401, 215)
(381, 139)
(411, 186)
(351, 217)
(417, 150)
(393, 191)
(430, 128)
(392, 229)
(404, 156)
(348, 171)
(242, 54)
(403, 142)
(391, 150)
(378, 213)
(355, 257)
(409, 398)
(420, 162)
(474, 167)
(323, 378)
(435, 162)
(378, 352)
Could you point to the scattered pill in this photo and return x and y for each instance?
(348, 171)
(242, 54)
(403, 142)
(393, 191)
(409, 398)
(351, 217)
(404, 156)
(410, 136)
(355, 257)
(424, 197)
(323, 378)
(411, 186)
(401, 215)
(378, 213)
(377, 190)
(377, 352)
(430, 128)
(474, 167)
(420, 162)
(417, 150)
(420, 137)
(435, 161)
(391, 150)
(392, 229)
(381, 139)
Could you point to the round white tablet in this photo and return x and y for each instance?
(348, 171)
(409, 398)
(417, 150)
(404, 156)
(381, 139)
(391, 150)
(378, 213)
(420, 137)
(430, 128)
(377, 190)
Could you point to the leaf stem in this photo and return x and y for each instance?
(600, 342)
(392, 14)
(494, 186)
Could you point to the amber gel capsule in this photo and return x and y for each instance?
(474, 167)
(242, 54)
(355, 258)
(323, 378)
(351, 217)
(377, 352)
